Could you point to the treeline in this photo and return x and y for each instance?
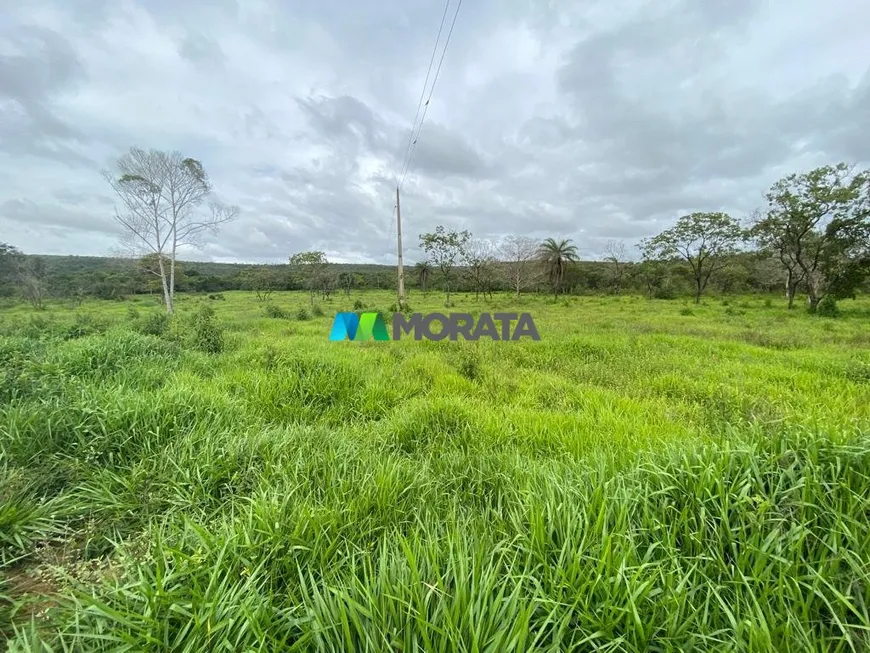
(75, 278)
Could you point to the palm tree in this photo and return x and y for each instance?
(556, 255)
(424, 271)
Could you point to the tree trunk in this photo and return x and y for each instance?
(790, 288)
(167, 298)
(697, 291)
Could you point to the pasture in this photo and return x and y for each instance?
(651, 476)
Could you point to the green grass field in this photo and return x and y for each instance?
(650, 476)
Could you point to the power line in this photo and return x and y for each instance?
(423, 90)
(413, 144)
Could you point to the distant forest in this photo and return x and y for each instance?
(114, 278)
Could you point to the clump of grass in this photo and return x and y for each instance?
(274, 311)
(317, 310)
(358, 305)
(686, 311)
(302, 314)
(155, 323)
(469, 364)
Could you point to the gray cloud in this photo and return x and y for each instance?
(583, 120)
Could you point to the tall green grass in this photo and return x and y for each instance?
(639, 480)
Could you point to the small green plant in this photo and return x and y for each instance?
(317, 311)
(828, 307)
(686, 311)
(302, 314)
(358, 305)
(217, 297)
(207, 334)
(277, 312)
(132, 313)
(768, 303)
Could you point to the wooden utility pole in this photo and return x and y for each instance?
(399, 249)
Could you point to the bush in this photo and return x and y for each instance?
(208, 335)
(276, 312)
(828, 307)
(316, 311)
(687, 311)
(85, 325)
(218, 296)
(358, 305)
(768, 303)
(154, 324)
(132, 313)
(664, 293)
(302, 314)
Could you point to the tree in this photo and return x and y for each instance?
(312, 270)
(424, 273)
(31, 274)
(519, 256)
(443, 248)
(161, 195)
(263, 280)
(9, 263)
(478, 256)
(703, 240)
(615, 253)
(556, 256)
(817, 222)
(777, 236)
(150, 265)
(350, 280)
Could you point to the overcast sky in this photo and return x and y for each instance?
(585, 120)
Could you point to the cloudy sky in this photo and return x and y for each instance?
(586, 120)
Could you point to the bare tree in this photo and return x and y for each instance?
(616, 254)
(31, 274)
(479, 259)
(519, 255)
(161, 194)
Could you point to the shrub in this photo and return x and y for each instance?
(85, 325)
(828, 307)
(218, 296)
(768, 303)
(302, 314)
(154, 324)
(208, 336)
(276, 311)
(132, 313)
(664, 293)
(358, 305)
(687, 311)
(316, 311)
